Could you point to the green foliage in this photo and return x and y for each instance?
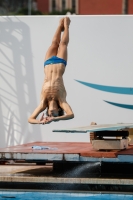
(24, 11)
(63, 12)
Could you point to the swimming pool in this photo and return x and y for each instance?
(62, 196)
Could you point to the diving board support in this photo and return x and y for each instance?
(110, 140)
(110, 144)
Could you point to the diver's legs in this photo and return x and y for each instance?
(53, 49)
(62, 52)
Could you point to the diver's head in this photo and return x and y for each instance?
(54, 110)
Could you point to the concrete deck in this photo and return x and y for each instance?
(44, 174)
(64, 151)
(25, 176)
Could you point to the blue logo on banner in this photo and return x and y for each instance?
(120, 105)
(112, 89)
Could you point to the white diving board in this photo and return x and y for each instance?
(94, 128)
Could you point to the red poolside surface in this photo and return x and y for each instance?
(83, 149)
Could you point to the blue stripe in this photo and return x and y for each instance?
(127, 106)
(113, 89)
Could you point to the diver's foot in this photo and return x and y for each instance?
(67, 22)
(61, 24)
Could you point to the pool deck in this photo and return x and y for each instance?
(21, 169)
(65, 151)
(30, 176)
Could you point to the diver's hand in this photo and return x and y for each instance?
(53, 119)
(50, 119)
(43, 120)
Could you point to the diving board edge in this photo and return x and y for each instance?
(70, 131)
(95, 128)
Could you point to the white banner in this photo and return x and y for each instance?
(98, 76)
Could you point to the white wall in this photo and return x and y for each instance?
(100, 52)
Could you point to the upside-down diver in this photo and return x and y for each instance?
(53, 94)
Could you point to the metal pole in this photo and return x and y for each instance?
(124, 7)
(29, 7)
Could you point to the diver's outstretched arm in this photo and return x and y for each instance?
(32, 119)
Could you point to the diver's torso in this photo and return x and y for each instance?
(53, 86)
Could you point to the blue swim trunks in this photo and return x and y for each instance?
(55, 60)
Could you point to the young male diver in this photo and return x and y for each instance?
(53, 94)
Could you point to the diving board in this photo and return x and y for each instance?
(102, 133)
(95, 128)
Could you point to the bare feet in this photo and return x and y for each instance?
(67, 22)
(64, 23)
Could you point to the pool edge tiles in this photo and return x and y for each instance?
(64, 180)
